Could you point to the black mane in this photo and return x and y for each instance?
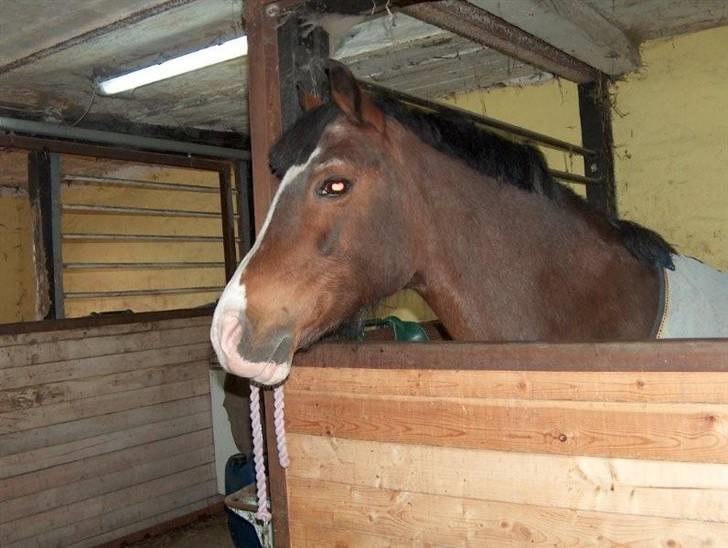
(521, 165)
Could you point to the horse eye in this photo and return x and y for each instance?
(334, 187)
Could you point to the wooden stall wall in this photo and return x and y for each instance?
(485, 446)
(104, 431)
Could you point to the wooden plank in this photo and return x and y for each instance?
(89, 331)
(667, 355)
(103, 320)
(40, 522)
(70, 493)
(307, 535)
(574, 27)
(98, 465)
(20, 355)
(47, 457)
(30, 375)
(58, 392)
(680, 432)
(156, 525)
(696, 491)
(636, 386)
(418, 519)
(27, 419)
(121, 515)
(69, 432)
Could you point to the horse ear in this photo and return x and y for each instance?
(348, 96)
(308, 101)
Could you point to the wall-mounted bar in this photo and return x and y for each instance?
(573, 177)
(143, 211)
(90, 237)
(140, 292)
(134, 183)
(119, 139)
(140, 266)
(456, 113)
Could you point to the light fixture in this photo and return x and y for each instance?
(237, 47)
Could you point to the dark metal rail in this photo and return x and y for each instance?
(135, 183)
(140, 292)
(135, 266)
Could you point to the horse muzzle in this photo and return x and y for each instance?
(263, 359)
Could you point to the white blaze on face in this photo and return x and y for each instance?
(229, 317)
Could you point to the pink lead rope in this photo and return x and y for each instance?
(263, 513)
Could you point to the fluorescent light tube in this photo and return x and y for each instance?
(237, 47)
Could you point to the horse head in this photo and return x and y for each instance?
(335, 237)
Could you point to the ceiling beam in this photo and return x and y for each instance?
(84, 37)
(474, 23)
(572, 26)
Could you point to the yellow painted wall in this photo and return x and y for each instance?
(138, 252)
(671, 136)
(670, 126)
(17, 279)
(17, 269)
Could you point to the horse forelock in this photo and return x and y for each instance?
(297, 143)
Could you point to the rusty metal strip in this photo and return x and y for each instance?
(473, 23)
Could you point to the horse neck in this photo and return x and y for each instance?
(499, 263)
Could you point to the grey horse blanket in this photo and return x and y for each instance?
(695, 301)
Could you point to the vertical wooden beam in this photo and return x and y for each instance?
(277, 55)
(227, 215)
(245, 209)
(44, 189)
(596, 135)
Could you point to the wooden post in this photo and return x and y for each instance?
(228, 222)
(277, 51)
(44, 186)
(245, 211)
(596, 134)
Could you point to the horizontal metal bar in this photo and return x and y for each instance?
(140, 237)
(453, 112)
(482, 27)
(140, 266)
(45, 129)
(112, 152)
(135, 183)
(140, 292)
(573, 177)
(145, 211)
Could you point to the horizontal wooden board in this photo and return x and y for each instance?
(8, 331)
(123, 515)
(88, 332)
(165, 464)
(99, 465)
(69, 432)
(307, 535)
(31, 375)
(443, 520)
(683, 355)
(621, 386)
(47, 457)
(26, 419)
(98, 385)
(112, 538)
(54, 351)
(696, 491)
(41, 522)
(680, 432)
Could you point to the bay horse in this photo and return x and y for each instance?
(376, 197)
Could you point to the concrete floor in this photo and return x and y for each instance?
(207, 532)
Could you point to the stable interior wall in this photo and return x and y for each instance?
(17, 267)
(18, 291)
(670, 135)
